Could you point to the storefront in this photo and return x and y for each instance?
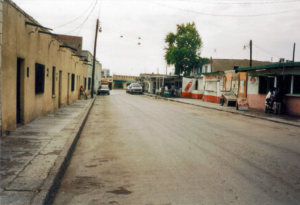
(156, 83)
(261, 79)
(213, 83)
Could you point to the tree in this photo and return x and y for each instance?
(183, 49)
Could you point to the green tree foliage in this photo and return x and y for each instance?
(183, 49)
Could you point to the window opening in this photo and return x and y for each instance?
(73, 82)
(39, 78)
(53, 81)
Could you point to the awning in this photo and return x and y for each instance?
(269, 66)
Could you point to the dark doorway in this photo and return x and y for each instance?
(118, 85)
(68, 90)
(59, 88)
(20, 63)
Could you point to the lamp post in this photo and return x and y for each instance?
(250, 46)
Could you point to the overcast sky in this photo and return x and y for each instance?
(225, 27)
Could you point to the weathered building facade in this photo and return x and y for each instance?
(285, 76)
(38, 74)
(98, 72)
(1, 9)
(72, 41)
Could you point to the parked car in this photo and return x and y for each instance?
(135, 88)
(127, 89)
(103, 89)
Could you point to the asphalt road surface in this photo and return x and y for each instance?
(138, 150)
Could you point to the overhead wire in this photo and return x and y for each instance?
(81, 25)
(76, 18)
(222, 15)
(270, 52)
(276, 53)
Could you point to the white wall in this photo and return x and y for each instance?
(252, 85)
(201, 83)
(208, 68)
(98, 69)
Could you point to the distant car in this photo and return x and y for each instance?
(127, 89)
(103, 89)
(135, 88)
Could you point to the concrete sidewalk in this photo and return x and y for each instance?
(35, 156)
(285, 119)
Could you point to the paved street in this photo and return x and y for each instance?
(138, 150)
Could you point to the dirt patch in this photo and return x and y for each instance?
(55, 152)
(113, 202)
(8, 174)
(91, 166)
(87, 182)
(25, 154)
(121, 190)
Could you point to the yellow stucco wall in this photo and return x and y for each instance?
(26, 43)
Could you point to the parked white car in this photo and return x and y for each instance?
(135, 88)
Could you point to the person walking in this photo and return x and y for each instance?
(172, 90)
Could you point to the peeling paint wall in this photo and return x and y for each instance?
(23, 43)
(1, 8)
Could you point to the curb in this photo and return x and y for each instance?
(245, 114)
(49, 189)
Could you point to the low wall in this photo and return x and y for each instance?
(292, 103)
(212, 98)
(197, 94)
(186, 95)
(256, 101)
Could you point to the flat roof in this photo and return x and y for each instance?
(269, 66)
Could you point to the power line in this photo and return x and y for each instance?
(276, 53)
(269, 52)
(207, 14)
(81, 25)
(76, 18)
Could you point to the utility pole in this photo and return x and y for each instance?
(294, 52)
(94, 59)
(250, 53)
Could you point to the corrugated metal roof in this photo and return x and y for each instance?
(269, 66)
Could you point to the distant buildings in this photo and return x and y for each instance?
(106, 72)
(98, 67)
(72, 41)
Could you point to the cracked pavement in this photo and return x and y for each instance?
(29, 153)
